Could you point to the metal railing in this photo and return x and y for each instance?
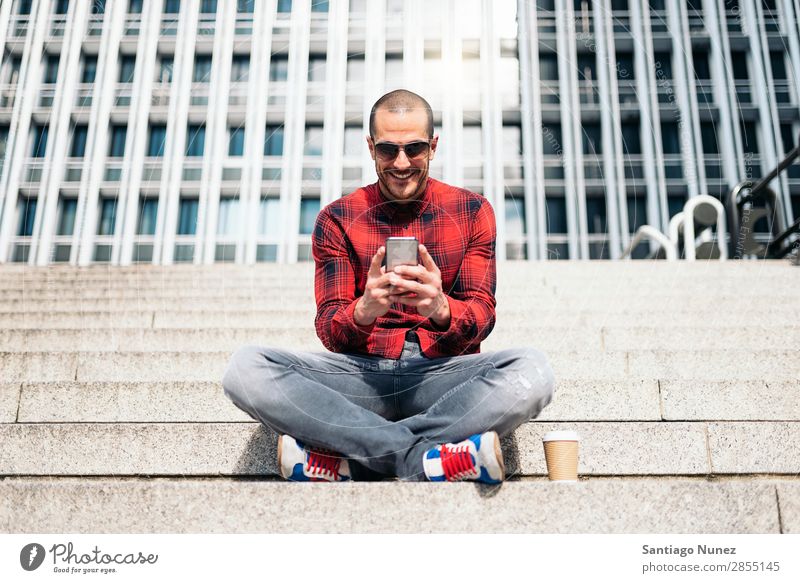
(743, 214)
(701, 211)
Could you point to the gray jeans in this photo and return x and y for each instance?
(384, 414)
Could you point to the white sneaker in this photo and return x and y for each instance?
(478, 458)
(299, 463)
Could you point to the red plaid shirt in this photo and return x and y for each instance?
(458, 229)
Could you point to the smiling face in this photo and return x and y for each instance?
(401, 179)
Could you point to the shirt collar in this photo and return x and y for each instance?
(393, 210)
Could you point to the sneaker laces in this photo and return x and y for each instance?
(457, 462)
(323, 462)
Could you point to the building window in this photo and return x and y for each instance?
(236, 141)
(548, 67)
(98, 6)
(596, 214)
(670, 138)
(24, 7)
(787, 137)
(51, 69)
(358, 6)
(637, 212)
(316, 68)
(551, 140)
(284, 5)
(39, 146)
(79, 135)
(135, 6)
(663, 62)
(165, 70)
(67, 207)
(245, 6)
(512, 142)
(749, 137)
(472, 141)
(393, 71)
(273, 143)
(269, 217)
(228, 217)
(631, 140)
(515, 217)
(148, 212)
(89, 69)
(208, 6)
(26, 211)
(187, 216)
(592, 139)
(117, 145)
(240, 68)
(353, 140)
(319, 5)
(279, 69)
(108, 216)
(625, 69)
(127, 66)
(709, 137)
(3, 144)
(309, 209)
(202, 69)
(355, 68)
(195, 140)
(556, 214)
(172, 6)
(313, 141)
(156, 141)
(702, 70)
(586, 68)
(739, 62)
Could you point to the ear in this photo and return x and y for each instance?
(434, 142)
(371, 146)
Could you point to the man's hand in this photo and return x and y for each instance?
(421, 286)
(376, 300)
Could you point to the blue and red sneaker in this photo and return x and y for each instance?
(300, 463)
(477, 458)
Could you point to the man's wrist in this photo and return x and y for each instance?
(441, 317)
(360, 318)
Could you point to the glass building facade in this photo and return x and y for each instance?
(199, 131)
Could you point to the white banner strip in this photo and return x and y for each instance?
(388, 558)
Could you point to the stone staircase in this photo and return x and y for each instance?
(682, 379)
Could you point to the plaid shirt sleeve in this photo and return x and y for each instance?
(335, 289)
(472, 301)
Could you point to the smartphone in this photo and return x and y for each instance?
(401, 251)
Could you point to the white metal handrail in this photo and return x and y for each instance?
(689, 211)
(651, 233)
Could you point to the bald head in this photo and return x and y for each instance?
(401, 101)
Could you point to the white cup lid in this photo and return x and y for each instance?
(561, 436)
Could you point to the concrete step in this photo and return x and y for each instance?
(782, 285)
(62, 271)
(248, 449)
(513, 279)
(31, 505)
(302, 316)
(304, 337)
(710, 365)
(140, 299)
(575, 400)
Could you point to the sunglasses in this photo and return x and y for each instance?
(387, 151)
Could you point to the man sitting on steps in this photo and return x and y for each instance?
(404, 391)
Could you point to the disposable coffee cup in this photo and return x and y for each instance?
(561, 454)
